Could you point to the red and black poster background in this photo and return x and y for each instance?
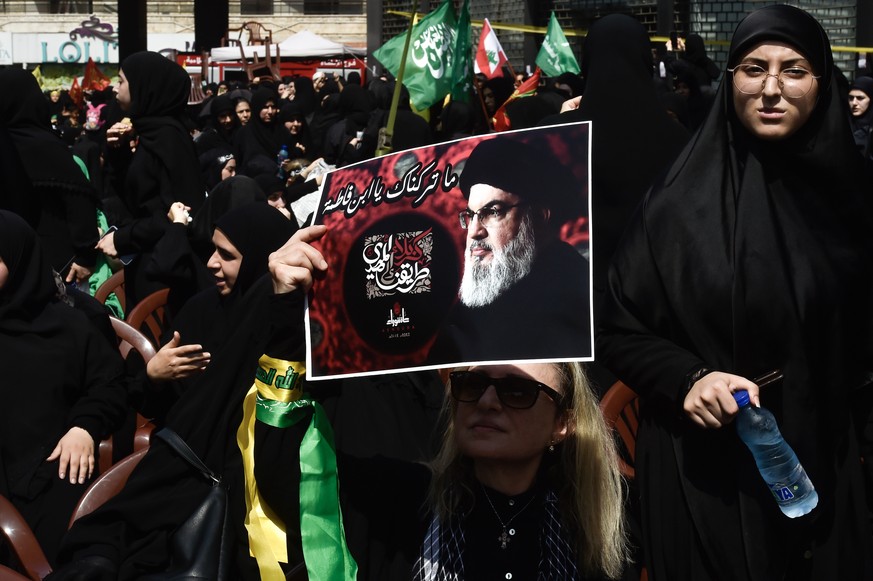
(395, 250)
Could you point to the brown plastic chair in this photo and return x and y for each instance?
(621, 410)
(7, 574)
(22, 542)
(20, 538)
(107, 485)
(129, 339)
(258, 33)
(148, 316)
(270, 64)
(253, 33)
(113, 284)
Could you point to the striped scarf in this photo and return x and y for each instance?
(441, 557)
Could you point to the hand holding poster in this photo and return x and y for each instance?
(461, 252)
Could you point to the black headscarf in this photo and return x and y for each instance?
(633, 138)
(861, 125)
(159, 90)
(259, 138)
(212, 163)
(229, 194)
(30, 285)
(356, 103)
(457, 120)
(305, 96)
(325, 116)
(529, 112)
(223, 104)
(701, 67)
(24, 112)
(255, 230)
(300, 144)
(752, 256)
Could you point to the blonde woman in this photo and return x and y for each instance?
(526, 485)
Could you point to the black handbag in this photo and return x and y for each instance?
(201, 547)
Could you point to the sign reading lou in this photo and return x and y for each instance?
(468, 251)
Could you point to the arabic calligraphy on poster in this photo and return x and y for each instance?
(415, 184)
(398, 263)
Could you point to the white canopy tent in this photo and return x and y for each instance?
(304, 44)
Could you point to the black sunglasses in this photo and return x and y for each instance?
(514, 392)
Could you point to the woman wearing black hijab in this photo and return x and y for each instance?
(235, 320)
(305, 96)
(351, 139)
(264, 135)
(299, 141)
(221, 127)
(752, 254)
(62, 204)
(633, 139)
(200, 327)
(862, 114)
(217, 165)
(62, 389)
(164, 169)
(694, 63)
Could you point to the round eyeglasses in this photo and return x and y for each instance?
(487, 215)
(513, 392)
(794, 82)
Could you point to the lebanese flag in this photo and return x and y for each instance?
(489, 56)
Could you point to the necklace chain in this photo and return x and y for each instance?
(504, 537)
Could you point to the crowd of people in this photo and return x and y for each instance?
(731, 229)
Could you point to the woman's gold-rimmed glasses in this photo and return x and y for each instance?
(794, 82)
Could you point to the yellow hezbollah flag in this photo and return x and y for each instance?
(37, 74)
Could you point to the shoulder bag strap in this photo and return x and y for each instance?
(176, 442)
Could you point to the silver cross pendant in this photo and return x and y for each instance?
(503, 539)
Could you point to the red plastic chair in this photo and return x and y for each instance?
(20, 538)
(107, 485)
(129, 339)
(113, 284)
(22, 542)
(148, 316)
(621, 410)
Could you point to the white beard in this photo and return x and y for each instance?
(483, 283)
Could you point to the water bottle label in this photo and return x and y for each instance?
(784, 493)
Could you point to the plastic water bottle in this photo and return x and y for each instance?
(280, 157)
(777, 462)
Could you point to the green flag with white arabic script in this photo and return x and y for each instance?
(462, 75)
(555, 56)
(430, 60)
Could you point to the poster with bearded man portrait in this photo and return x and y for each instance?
(464, 252)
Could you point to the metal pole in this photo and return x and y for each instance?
(387, 133)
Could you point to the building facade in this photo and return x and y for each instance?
(61, 35)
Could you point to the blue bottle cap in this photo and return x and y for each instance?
(741, 397)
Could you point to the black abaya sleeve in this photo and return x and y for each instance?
(143, 186)
(637, 331)
(102, 405)
(81, 213)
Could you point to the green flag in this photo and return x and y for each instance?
(429, 62)
(462, 74)
(555, 56)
